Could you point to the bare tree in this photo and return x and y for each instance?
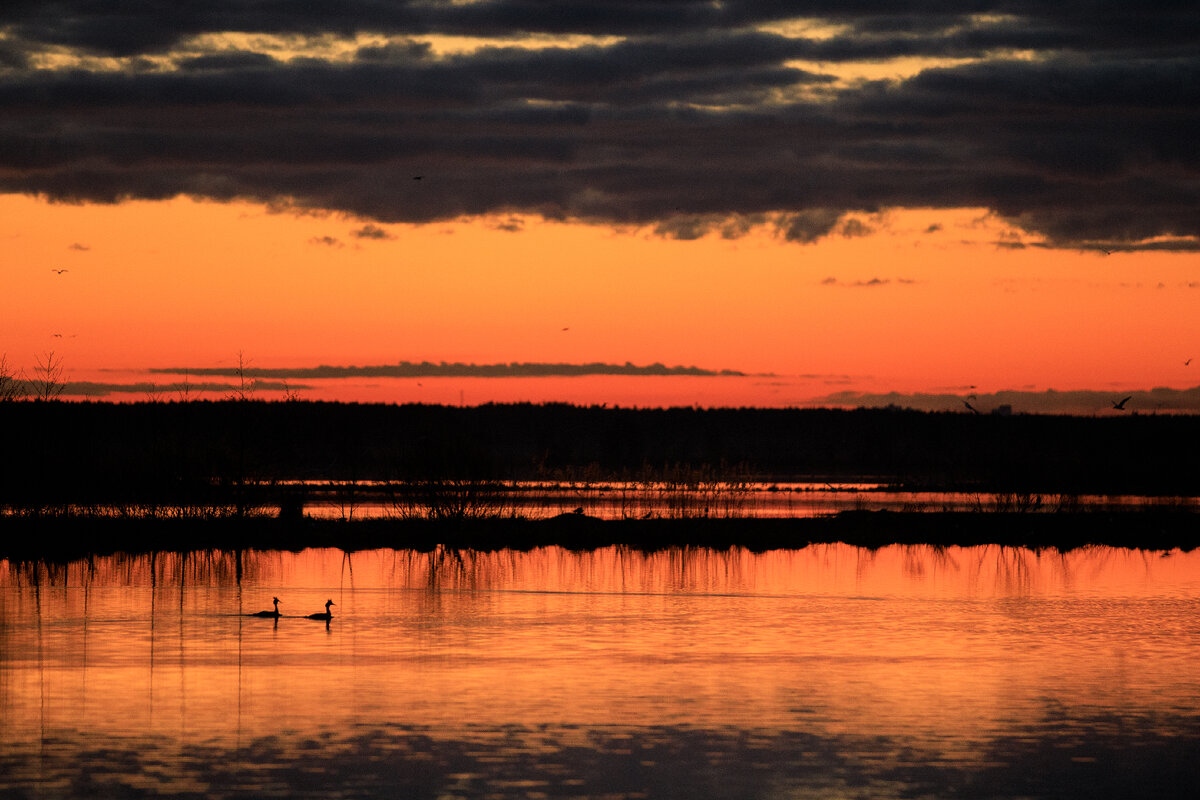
(11, 386)
(48, 383)
(246, 386)
(185, 389)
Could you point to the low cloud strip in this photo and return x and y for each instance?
(427, 369)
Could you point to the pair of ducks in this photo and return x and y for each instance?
(276, 615)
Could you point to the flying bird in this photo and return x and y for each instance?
(970, 407)
(1188, 362)
(566, 329)
(1121, 405)
(59, 271)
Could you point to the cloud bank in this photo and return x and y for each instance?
(177, 390)
(1075, 121)
(427, 369)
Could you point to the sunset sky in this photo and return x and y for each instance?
(847, 203)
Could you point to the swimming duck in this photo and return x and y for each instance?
(326, 616)
(274, 613)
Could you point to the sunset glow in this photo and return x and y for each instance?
(193, 284)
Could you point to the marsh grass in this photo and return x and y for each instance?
(449, 499)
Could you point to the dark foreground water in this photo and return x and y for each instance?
(824, 672)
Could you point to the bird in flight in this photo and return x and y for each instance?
(1121, 405)
(59, 271)
(566, 329)
(970, 407)
(1188, 362)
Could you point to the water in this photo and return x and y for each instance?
(830, 671)
(697, 498)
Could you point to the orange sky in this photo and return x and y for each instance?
(186, 283)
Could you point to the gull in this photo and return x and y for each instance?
(59, 271)
(1121, 405)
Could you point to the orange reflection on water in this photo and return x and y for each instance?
(938, 644)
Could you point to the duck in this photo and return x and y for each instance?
(327, 615)
(274, 613)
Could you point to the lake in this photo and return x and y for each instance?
(827, 671)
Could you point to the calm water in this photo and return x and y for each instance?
(633, 500)
(824, 672)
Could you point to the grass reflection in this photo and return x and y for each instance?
(989, 570)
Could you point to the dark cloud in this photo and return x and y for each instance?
(690, 121)
(867, 284)
(169, 391)
(809, 225)
(426, 369)
(510, 225)
(369, 231)
(852, 228)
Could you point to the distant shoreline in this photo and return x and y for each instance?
(62, 539)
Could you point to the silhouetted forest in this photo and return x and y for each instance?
(194, 452)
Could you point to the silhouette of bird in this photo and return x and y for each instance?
(970, 407)
(274, 613)
(59, 271)
(1121, 405)
(327, 615)
(566, 329)
(1187, 363)
(417, 177)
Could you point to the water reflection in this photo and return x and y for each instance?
(832, 670)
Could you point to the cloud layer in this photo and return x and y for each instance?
(1075, 121)
(427, 369)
